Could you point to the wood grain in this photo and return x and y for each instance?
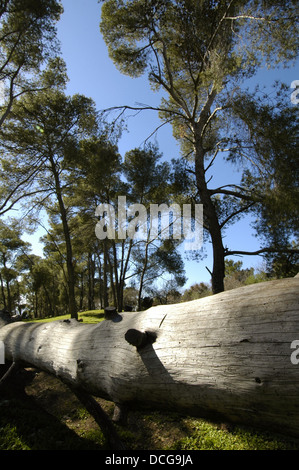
(227, 355)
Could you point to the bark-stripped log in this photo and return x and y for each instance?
(228, 355)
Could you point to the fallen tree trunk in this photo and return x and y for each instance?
(226, 356)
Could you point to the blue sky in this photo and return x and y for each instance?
(93, 74)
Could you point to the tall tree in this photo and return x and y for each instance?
(150, 182)
(97, 171)
(101, 177)
(11, 248)
(47, 128)
(268, 140)
(40, 281)
(16, 174)
(199, 53)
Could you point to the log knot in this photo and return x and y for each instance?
(80, 365)
(140, 339)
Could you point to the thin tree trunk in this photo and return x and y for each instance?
(81, 291)
(100, 280)
(125, 269)
(91, 274)
(36, 304)
(73, 311)
(116, 284)
(143, 275)
(105, 280)
(3, 293)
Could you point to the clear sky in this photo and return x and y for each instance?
(93, 74)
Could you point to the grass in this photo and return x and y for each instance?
(88, 316)
(24, 427)
(207, 436)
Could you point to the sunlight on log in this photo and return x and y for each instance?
(226, 356)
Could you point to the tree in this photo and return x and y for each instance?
(45, 130)
(17, 175)
(27, 40)
(199, 53)
(101, 179)
(237, 363)
(270, 129)
(196, 291)
(150, 182)
(40, 282)
(97, 170)
(167, 293)
(11, 249)
(281, 265)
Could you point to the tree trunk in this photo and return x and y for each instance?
(214, 228)
(3, 293)
(144, 268)
(91, 276)
(105, 280)
(229, 356)
(73, 310)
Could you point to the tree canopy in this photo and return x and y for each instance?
(28, 41)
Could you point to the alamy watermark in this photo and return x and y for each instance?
(2, 93)
(295, 354)
(2, 353)
(159, 222)
(295, 94)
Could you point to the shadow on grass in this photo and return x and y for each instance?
(25, 425)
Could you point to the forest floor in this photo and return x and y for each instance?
(39, 412)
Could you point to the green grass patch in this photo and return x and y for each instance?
(89, 316)
(10, 440)
(203, 435)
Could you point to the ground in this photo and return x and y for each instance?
(39, 412)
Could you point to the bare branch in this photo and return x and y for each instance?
(247, 17)
(262, 251)
(260, 18)
(212, 160)
(220, 108)
(157, 129)
(245, 197)
(233, 214)
(11, 95)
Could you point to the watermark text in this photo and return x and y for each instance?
(295, 354)
(2, 353)
(160, 221)
(295, 94)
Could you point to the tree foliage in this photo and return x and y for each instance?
(12, 251)
(28, 41)
(45, 129)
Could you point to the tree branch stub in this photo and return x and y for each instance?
(140, 339)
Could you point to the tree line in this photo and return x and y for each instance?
(60, 159)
